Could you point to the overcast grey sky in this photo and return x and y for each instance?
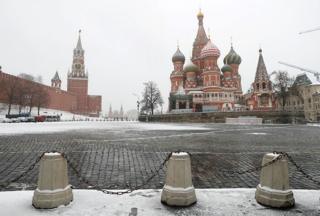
(129, 42)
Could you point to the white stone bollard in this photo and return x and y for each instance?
(273, 189)
(178, 189)
(53, 188)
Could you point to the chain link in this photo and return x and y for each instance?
(280, 156)
(97, 187)
(5, 184)
(306, 175)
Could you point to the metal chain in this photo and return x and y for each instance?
(5, 184)
(280, 156)
(97, 187)
(301, 170)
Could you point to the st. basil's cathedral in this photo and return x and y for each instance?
(201, 86)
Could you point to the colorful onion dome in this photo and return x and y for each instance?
(178, 56)
(226, 68)
(232, 57)
(190, 67)
(210, 50)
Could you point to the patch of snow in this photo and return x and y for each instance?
(52, 154)
(257, 133)
(180, 154)
(314, 124)
(64, 116)
(178, 189)
(54, 191)
(274, 190)
(273, 154)
(51, 127)
(218, 202)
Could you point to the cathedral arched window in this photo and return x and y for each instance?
(258, 86)
(263, 85)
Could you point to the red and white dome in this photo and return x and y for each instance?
(210, 50)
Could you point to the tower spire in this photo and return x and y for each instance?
(201, 38)
(200, 17)
(79, 45)
(261, 73)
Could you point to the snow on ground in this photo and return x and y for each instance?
(147, 202)
(65, 116)
(51, 127)
(257, 133)
(314, 124)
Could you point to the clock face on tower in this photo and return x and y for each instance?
(78, 66)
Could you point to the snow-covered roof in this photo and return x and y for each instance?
(195, 92)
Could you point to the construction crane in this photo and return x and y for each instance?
(315, 73)
(310, 30)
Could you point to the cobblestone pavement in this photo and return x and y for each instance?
(118, 157)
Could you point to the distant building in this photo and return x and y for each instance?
(261, 96)
(121, 113)
(200, 85)
(110, 114)
(76, 98)
(304, 96)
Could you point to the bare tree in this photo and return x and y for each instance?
(22, 95)
(33, 90)
(151, 97)
(10, 88)
(282, 83)
(39, 79)
(41, 98)
(26, 76)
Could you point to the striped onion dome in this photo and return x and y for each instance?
(226, 68)
(232, 57)
(178, 56)
(210, 50)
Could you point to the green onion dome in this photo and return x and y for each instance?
(190, 67)
(226, 68)
(232, 57)
(178, 56)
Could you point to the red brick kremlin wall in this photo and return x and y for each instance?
(60, 99)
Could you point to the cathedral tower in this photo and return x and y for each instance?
(78, 79)
(233, 78)
(200, 41)
(176, 76)
(262, 83)
(262, 86)
(211, 72)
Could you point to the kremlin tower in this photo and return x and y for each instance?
(78, 79)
